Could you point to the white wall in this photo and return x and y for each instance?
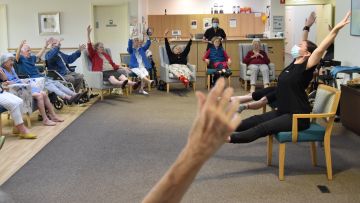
(75, 15)
(3, 29)
(346, 46)
(157, 7)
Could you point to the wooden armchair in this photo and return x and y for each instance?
(325, 105)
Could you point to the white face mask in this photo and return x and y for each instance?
(215, 25)
(295, 51)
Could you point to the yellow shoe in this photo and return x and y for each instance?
(27, 136)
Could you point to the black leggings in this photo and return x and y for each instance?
(269, 93)
(265, 124)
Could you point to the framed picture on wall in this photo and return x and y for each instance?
(49, 23)
(355, 18)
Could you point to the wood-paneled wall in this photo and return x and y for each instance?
(276, 53)
(245, 24)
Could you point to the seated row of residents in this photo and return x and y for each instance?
(9, 76)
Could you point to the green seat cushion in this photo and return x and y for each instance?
(314, 133)
(210, 71)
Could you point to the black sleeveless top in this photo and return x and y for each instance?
(292, 83)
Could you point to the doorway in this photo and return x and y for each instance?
(295, 20)
(111, 27)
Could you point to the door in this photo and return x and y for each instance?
(111, 27)
(3, 29)
(295, 17)
(324, 18)
(289, 29)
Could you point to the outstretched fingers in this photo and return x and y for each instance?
(201, 99)
(216, 92)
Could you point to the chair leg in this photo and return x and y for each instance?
(264, 109)
(194, 86)
(28, 120)
(229, 81)
(0, 125)
(208, 82)
(269, 149)
(281, 160)
(127, 91)
(245, 85)
(313, 153)
(328, 158)
(101, 95)
(167, 87)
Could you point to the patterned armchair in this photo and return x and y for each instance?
(165, 74)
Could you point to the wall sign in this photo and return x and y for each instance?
(278, 23)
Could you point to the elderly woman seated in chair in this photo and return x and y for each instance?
(217, 58)
(43, 101)
(13, 104)
(27, 65)
(102, 61)
(178, 60)
(256, 60)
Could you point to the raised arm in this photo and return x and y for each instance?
(53, 51)
(130, 46)
(308, 23)
(167, 44)
(147, 44)
(90, 47)
(42, 50)
(214, 122)
(188, 45)
(17, 57)
(89, 29)
(315, 57)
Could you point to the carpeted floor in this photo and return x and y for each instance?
(119, 148)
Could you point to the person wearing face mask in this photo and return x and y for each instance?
(178, 60)
(214, 31)
(217, 58)
(290, 93)
(258, 99)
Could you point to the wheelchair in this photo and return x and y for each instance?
(54, 99)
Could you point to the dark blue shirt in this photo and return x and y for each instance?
(57, 60)
(27, 67)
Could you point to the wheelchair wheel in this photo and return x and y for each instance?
(58, 104)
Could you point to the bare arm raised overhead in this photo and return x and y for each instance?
(17, 57)
(315, 57)
(308, 23)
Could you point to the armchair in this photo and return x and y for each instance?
(245, 73)
(125, 60)
(168, 77)
(325, 105)
(95, 79)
